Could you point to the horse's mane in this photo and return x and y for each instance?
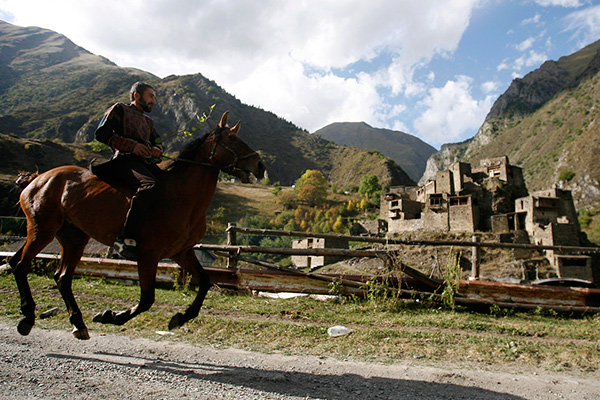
(187, 153)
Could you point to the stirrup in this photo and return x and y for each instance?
(126, 248)
(130, 242)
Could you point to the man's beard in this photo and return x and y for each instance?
(145, 106)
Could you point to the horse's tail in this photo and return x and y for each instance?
(24, 178)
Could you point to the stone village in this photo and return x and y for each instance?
(490, 197)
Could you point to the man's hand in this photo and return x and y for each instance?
(156, 152)
(141, 150)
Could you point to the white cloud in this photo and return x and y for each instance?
(503, 65)
(425, 29)
(450, 111)
(585, 24)
(525, 44)
(559, 3)
(535, 20)
(399, 126)
(489, 87)
(526, 61)
(397, 110)
(324, 34)
(529, 60)
(311, 100)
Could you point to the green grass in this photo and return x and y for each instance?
(384, 330)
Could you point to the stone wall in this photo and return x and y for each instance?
(462, 218)
(406, 225)
(316, 243)
(444, 182)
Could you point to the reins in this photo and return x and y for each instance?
(226, 168)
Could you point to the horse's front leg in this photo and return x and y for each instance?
(73, 242)
(190, 264)
(147, 276)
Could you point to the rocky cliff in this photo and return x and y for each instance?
(546, 123)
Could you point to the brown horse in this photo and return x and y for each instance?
(72, 204)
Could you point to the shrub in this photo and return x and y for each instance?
(566, 175)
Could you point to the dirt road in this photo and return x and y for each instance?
(51, 364)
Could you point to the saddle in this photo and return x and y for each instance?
(107, 172)
(103, 171)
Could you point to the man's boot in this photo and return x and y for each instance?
(126, 245)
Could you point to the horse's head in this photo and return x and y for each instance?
(231, 154)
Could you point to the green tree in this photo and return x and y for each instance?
(311, 188)
(370, 187)
(98, 147)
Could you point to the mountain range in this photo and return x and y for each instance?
(408, 151)
(52, 89)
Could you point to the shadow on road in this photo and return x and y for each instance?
(300, 384)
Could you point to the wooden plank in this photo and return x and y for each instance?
(528, 294)
(288, 251)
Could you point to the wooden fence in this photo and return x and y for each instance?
(233, 248)
(472, 293)
(277, 278)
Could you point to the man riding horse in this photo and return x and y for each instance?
(137, 148)
(72, 204)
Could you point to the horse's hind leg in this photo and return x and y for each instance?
(73, 243)
(188, 261)
(20, 270)
(15, 258)
(21, 265)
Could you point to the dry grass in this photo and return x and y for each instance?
(243, 199)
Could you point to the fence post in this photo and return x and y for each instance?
(475, 259)
(231, 241)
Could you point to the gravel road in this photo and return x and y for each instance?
(51, 364)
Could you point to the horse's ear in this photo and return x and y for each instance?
(236, 128)
(223, 122)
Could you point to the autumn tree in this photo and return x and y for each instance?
(311, 188)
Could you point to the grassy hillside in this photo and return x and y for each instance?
(49, 86)
(561, 135)
(240, 200)
(41, 155)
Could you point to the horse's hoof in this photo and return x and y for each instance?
(24, 327)
(176, 321)
(97, 317)
(81, 334)
(104, 317)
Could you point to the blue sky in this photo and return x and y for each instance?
(431, 68)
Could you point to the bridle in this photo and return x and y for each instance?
(233, 165)
(229, 169)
